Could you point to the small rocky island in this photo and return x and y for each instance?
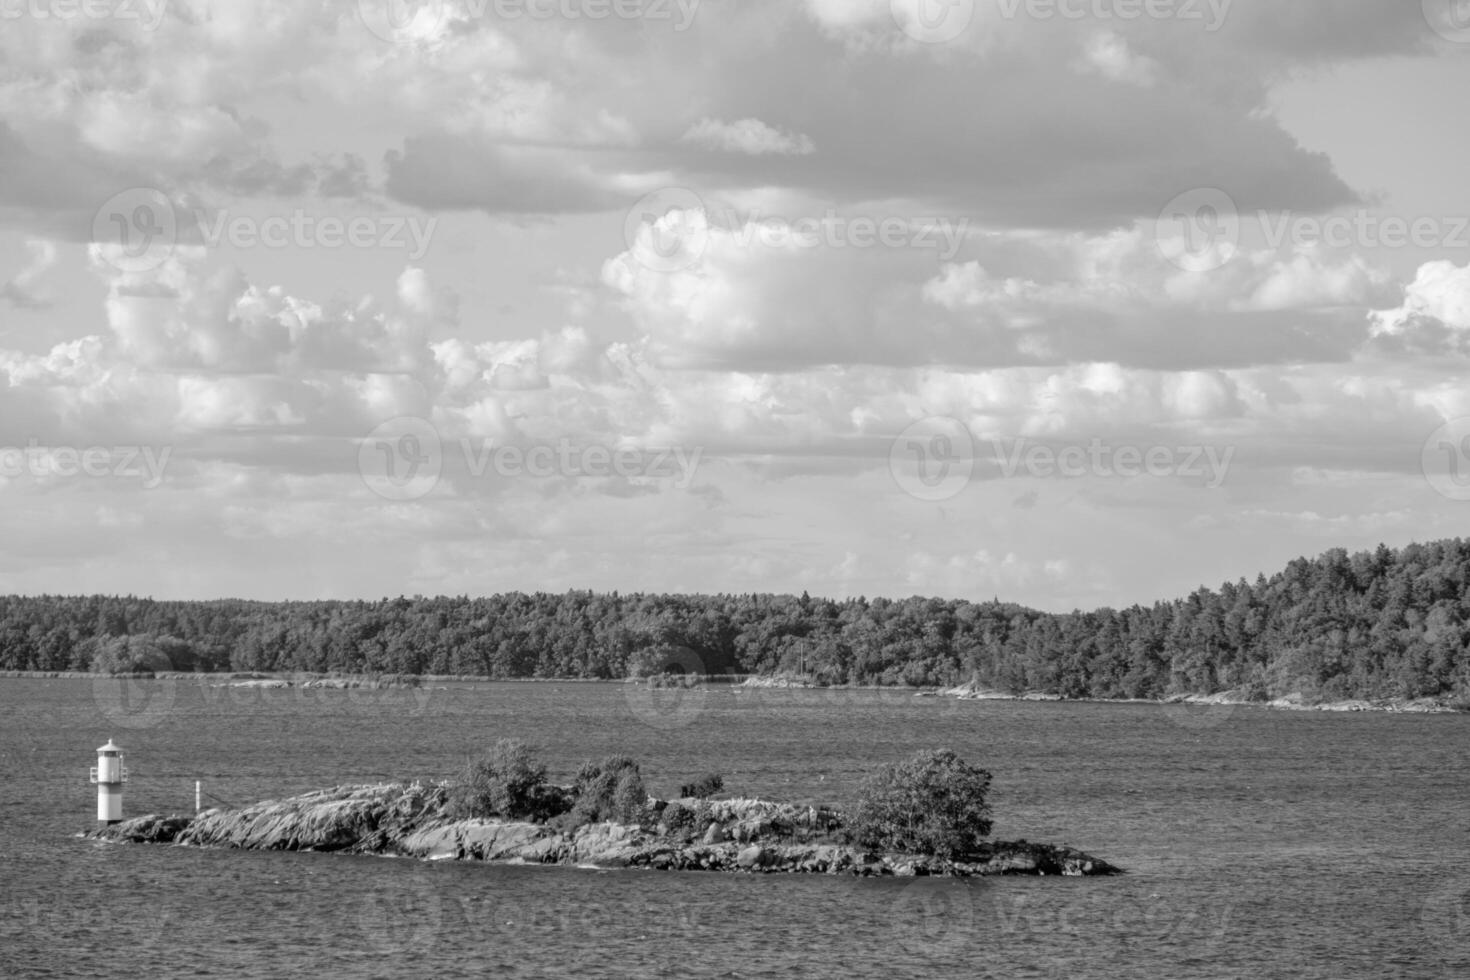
(503, 810)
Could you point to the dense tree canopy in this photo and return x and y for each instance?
(1374, 624)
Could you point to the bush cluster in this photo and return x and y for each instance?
(609, 790)
(505, 782)
(685, 821)
(704, 787)
(932, 803)
(508, 782)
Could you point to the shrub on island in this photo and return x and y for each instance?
(704, 787)
(505, 782)
(508, 782)
(609, 790)
(685, 822)
(931, 803)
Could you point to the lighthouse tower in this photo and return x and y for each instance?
(109, 774)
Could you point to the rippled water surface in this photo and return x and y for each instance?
(1260, 843)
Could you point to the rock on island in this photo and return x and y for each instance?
(737, 835)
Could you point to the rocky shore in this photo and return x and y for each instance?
(408, 820)
(1292, 702)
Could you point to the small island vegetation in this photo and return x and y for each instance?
(932, 804)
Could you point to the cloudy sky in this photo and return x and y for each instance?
(1073, 302)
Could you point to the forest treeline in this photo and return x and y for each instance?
(1383, 623)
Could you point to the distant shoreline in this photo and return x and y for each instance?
(963, 692)
(971, 692)
(244, 678)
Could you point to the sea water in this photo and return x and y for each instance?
(1259, 843)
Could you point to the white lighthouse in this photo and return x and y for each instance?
(109, 774)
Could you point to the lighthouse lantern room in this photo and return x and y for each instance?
(109, 774)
